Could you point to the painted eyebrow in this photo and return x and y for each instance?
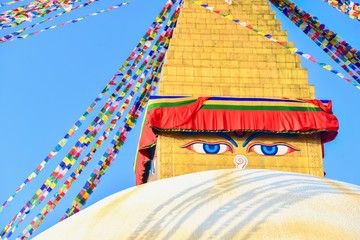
(259, 134)
(219, 134)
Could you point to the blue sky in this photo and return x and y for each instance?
(47, 81)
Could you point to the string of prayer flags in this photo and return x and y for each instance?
(76, 126)
(52, 204)
(70, 159)
(81, 166)
(9, 37)
(85, 140)
(67, 5)
(35, 223)
(10, 2)
(29, 11)
(110, 154)
(64, 166)
(319, 32)
(139, 49)
(4, 39)
(35, 9)
(58, 147)
(281, 43)
(345, 6)
(329, 41)
(120, 137)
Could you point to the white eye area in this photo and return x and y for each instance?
(210, 148)
(283, 149)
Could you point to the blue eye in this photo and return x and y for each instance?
(211, 148)
(208, 148)
(277, 149)
(269, 150)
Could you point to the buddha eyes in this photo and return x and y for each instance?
(208, 148)
(277, 149)
(274, 149)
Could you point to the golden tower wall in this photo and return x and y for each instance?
(212, 56)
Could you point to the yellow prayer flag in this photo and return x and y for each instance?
(66, 160)
(70, 132)
(38, 192)
(105, 118)
(328, 67)
(32, 175)
(89, 139)
(7, 227)
(53, 185)
(231, 17)
(62, 142)
(47, 182)
(82, 139)
(293, 50)
(86, 195)
(73, 160)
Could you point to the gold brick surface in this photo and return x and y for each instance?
(212, 56)
(209, 48)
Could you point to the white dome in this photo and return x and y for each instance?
(222, 204)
